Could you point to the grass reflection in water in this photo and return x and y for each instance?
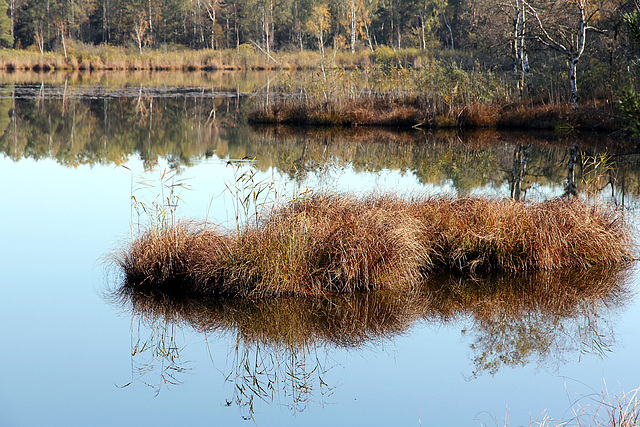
(281, 344)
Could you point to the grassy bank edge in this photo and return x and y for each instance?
(594, 116)
(245, 57)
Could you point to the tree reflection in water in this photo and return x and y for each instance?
(279, 354)
(110, 122)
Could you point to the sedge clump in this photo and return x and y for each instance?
(326, 243)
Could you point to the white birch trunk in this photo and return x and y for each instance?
(573, 49)
(352, 4)
(573, 84)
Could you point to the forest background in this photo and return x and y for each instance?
(545, 48)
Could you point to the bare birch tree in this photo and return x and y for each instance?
(140, 27)
(318, 24)
(568, 38)
(211, 6)
(521, 70)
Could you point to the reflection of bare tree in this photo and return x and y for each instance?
(572, 188)
(601, 173)
(279, 353)
(519, 170)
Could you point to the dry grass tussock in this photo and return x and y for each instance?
(325, 243)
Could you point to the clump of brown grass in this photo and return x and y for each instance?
(405, 111)
(184, 259)
(534, 116)
(478, 115)
(365, 110)
(327, 243)
(475, 234)
(342, 243)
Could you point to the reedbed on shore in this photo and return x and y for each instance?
(340, 243)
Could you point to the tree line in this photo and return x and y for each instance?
(298, 24)
(521, 36)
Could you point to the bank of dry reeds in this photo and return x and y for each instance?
(411, 112)
(326, 243)
(80, 56)
(440, 94)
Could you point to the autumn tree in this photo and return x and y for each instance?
(6, 36)
(318, 25)
(356, 22)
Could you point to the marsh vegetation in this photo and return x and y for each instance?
(469, 318)
(451, 63)
(325, 243)
(437, 95)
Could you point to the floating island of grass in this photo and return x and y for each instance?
(327, 243)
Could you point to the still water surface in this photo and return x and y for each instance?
(75, 151)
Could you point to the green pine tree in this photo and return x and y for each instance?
(6, 39)
(632, 20)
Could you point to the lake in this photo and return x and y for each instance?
(87, 159)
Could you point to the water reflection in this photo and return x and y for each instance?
(518, 164)
(280, 346)
(78, 122)
(543, 318)
(114, 80)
